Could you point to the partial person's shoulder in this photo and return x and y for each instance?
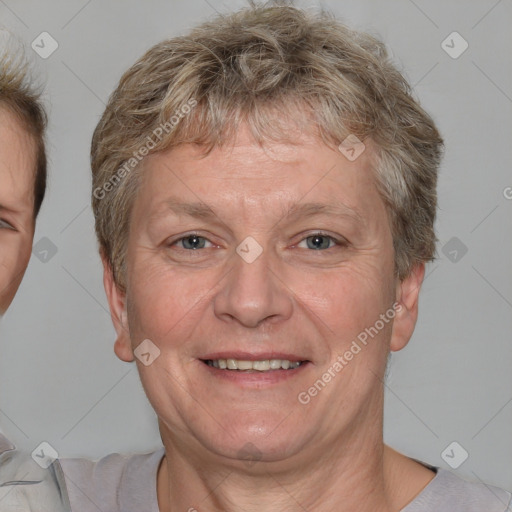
(27, 484)
(447, 492)
(114, 483)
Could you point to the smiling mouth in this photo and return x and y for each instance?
(264, 365)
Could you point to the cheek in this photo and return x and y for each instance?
(164, 302)
(14, 257)
(348, 297)
(14, 253)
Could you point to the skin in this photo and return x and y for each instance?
(327, 455)
(17, 151)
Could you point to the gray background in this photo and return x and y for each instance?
(59, 378)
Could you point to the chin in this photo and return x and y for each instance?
(254, 437)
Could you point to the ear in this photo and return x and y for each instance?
(117, 303)
(407, 293)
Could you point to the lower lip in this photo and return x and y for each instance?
(255, 378)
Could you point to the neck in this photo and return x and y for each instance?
(358, 472)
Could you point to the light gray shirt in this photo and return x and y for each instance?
(120, 483)
(30, 484)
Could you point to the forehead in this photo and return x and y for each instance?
(17, 162)
(275, 175)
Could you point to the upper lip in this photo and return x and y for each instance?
(248, 356)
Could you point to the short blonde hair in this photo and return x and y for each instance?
(261, 65)
(21, 96)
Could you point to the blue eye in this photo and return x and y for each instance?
(316, 242)
(192, 242)
(319, 241)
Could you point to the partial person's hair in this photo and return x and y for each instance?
(21, 96)
(267, 66)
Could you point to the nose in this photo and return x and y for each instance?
(254, 292)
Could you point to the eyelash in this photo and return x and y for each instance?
(338, 242)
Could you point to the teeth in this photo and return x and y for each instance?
(261, 366)
(244, 365)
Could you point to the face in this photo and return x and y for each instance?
(17, 152)
(288, 256)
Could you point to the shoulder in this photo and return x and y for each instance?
(114, 483)
(447, 492)
(5, 444)
(27, 485)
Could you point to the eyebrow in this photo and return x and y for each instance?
(203, 211)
